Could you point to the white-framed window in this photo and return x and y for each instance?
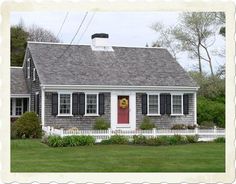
(65, 104)
(16, 107)
(91, 104)
(153, 104)
(177, 104)
(34, 73)
(28, 68)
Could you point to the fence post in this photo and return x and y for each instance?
(215, 131)
(196, 130)
(52, 131)
(109, 133)
(48, 130)
(61, 133)
(154, 132)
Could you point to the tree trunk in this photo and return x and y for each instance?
(199, 59)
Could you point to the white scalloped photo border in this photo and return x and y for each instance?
(114, 5)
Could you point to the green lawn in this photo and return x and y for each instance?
(33, 156)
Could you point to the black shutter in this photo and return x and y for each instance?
(81, 104)
(25, 105)
(162, 104)
(75, 103)
(144, 103)
(37, 100)
(101, 104)
(168, 104)
(186, 103)
(54, 104)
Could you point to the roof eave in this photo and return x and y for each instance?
(113, 87)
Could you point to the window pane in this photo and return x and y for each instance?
(18, 106)
(153, 104)
(177, 104)
(64, 103)
(92, 104)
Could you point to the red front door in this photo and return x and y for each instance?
(123, 109)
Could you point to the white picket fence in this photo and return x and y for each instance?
(99, 135)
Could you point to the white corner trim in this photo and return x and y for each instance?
(195, 108)
(43, 106)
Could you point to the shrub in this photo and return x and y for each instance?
(146, 124)
(191, 126)
(119, 139)
(178, 127)
(28, 126)
(139, 139)
(85, 140)
(101, 124)
(210, 111)
(106, 141)
(192, 138)
(152, 141)
(163, 140)
(55, 141)
(207, 125)
(219, 140)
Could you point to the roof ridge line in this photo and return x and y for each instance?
(57, 43)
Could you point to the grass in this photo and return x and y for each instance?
(34, 156)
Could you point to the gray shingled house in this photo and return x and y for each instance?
(71, 85)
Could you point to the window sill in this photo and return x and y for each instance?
(64, 115)
(153, 115)
(176, 114)
(91, 115)
(15, 116)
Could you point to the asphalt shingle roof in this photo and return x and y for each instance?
(18, 83)
(126, 66)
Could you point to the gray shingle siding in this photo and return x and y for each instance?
(81, 122)
(33, 86)
(165, 121)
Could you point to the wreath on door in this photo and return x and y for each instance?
(124, 103)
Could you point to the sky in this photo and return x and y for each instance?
(124, 29)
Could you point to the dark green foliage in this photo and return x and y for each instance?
(177, 139)
(13, 131)
(116, 139)
(191, 126)
(119, 139)
(101, 124)
(211, 88)
(55, 141)
(71, 141)
(18, 45)
(139, 139)
(146, 124)
(28, 126)
(207, 125)
(219, 140)
(192, 138)
(211, 111)
(179, 127)
(106, 141)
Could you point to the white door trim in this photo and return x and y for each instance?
(132, 110)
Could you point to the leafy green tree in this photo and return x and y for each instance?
(18, 44)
